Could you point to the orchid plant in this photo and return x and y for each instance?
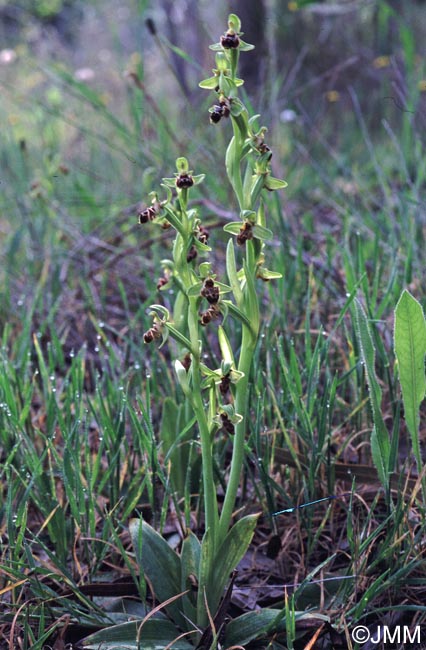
(216, 396)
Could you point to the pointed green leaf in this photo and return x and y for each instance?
(230, 553)
(178, 336)
(190, 562)
(154, 634)
(410, 350)
(231, 270)
(225, 347)
(159, 563)
(254, 625)
(380, 445)
(237, 313)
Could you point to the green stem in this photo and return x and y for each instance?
(210, 504)
(247, 350)
(248, 345)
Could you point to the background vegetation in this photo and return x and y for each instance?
(95, 107)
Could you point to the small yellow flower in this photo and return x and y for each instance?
(422, 85)
(332, 96)
(292, 6)
(381, 62)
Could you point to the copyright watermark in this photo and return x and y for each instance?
(384, 634)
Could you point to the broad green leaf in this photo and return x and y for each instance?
(175, 432)
(160, 564)
(380, 445)
(254, 625)
(410, 350)
(204, 580)
(229, 554)
(154, 634)
(190, 562)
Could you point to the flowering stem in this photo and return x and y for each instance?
(211, 512)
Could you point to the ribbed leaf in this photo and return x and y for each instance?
(155, 634)
(380, 445)
(254, 625)
(160, 564)
(190, 562)
(230, 553)
(410, 350)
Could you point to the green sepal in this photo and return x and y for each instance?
(216, 47)
(272, 184)
(233, 417)
(198, 178)
(233, 228)
(182, 165)
(234, 23)
(203, 248)
(253, 119)
(260, 232)
(265, 274)
(169, 182)
(245, 47)
(160, 309)
(209, 84)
